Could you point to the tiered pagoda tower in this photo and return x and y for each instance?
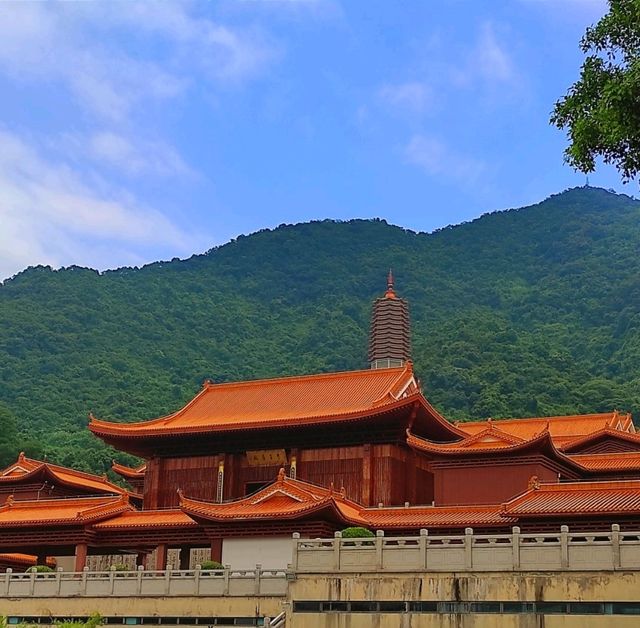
(390, 336)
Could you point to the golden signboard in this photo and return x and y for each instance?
(267, 457)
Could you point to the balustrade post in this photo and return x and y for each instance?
(112, 577)
(58, 579)
(515, 548)
(226, 575)
(83, 589)
(615, 545)
(379, 548)
(139, 575)
(423, 545)
(32, 584)
(468, 548)
(167, 579)
(258, 573)
(7, 581)
(337, 546)
(564, 547)
(296, 549)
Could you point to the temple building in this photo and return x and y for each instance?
(244, 465)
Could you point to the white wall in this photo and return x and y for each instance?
(270, 552)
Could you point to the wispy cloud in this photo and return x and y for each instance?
(131, 156)
(51, 215)
(436, 158)
(412, 96)
(57, 43)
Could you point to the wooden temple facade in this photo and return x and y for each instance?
(313, 454)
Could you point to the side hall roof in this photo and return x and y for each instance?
(286, 498)
(55, 512)
(563, 429)
(26, 468)
(294, 499)
(607, 498)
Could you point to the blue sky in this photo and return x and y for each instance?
(136, 131)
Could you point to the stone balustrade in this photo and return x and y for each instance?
(542, 551)
(197, 582)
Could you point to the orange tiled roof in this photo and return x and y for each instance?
(622, 461)
(25, 560)
(286, 498)
(131, 473)
(147, 519)
(25, 468)
(607, 432)
(74, 511)
(577, 498)
(284, 401)
(563, 429)
(472, 446)
(434, 517)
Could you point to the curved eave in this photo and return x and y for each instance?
(594, 437)
(51, 474)
(122, 430)
(202, 511)
(127, 472)
(543, 443)
(81, 520)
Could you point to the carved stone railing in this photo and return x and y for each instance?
(194, 582)
(542, 551)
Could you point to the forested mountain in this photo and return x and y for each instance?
(532, 311)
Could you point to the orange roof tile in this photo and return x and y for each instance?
(435, 516)
(25, 468)
(563, 429)
(286, 498)
(147, 519)
(26, 560)
(577, 498)
(284, 401)
(622, 461)
(129, 472)
(74, 511)
(607, 432)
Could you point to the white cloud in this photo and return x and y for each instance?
(413, 96)
(491, 57)
(436, 158)
(83, 47)
(49, 215)
(134, 158)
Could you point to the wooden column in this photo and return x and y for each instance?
(185, 557)
(367, 476)
(151, 484)
(216, 549)
(81, 556)
(161, 557)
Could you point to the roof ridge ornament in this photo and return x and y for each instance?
(281, 474)
(534, 483)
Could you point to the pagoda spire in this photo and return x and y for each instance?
(390, 335)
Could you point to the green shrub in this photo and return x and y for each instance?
(356, 533)
(40, 569)
(120, 567)
(211, 564)
(93, 621)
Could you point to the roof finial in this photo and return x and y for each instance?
(390, 293)
(281, 474)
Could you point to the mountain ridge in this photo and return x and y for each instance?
(524, 311)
